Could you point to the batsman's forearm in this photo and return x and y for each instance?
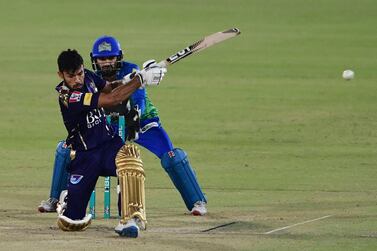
(119, 94)
(110, 86)
(125, 91)
(115, 84)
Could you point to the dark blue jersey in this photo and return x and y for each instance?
(84, 121)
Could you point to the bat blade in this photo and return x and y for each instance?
(200, 45)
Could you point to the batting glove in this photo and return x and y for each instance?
(151, 74)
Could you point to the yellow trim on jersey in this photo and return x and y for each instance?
(88, 98)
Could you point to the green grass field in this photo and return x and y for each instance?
(277, 137)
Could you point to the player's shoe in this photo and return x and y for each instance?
(130, 229)
(199, 208)
(141, 224)
(48, 206)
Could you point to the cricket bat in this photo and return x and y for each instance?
(200, 45)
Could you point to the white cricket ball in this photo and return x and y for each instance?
(348, 74)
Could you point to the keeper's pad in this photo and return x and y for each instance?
(60, 174)
(177, 165)
(131, 177)
(67, 224)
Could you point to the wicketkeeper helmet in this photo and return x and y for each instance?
(103, 47)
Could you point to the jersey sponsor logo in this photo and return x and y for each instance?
(88, 98)
(104, 46)
(75, 97)
(94, 118)
(75, 178)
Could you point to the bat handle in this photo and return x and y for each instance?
(163, 64)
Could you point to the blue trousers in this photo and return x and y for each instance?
(155, 140)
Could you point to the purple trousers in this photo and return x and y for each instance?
(85, 170)
(89, 165)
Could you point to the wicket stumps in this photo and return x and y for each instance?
(107, 180)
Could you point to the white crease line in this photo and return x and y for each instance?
(300, 223)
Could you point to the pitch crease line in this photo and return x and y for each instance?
(300, 223)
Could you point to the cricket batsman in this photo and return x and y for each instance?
(95, 149)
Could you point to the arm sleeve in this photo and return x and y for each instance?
(138, 98)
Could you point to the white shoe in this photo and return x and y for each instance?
(130, 229)
(48, 206)
(199, 208)
(141, 224)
